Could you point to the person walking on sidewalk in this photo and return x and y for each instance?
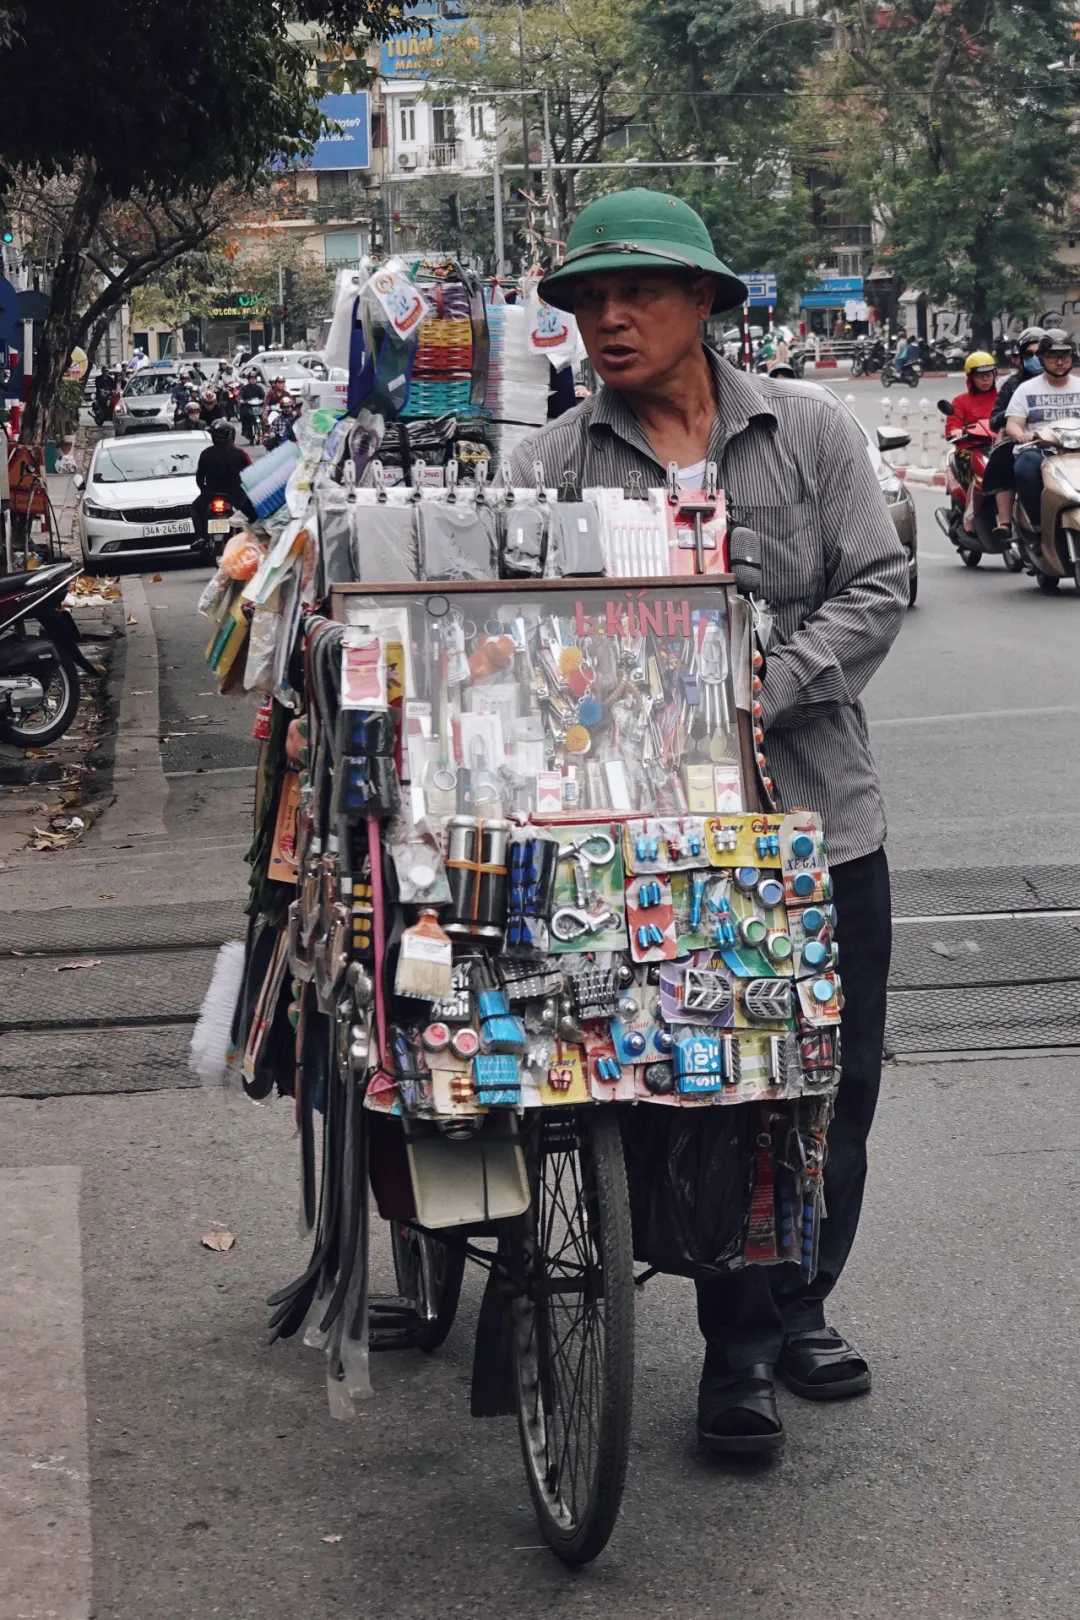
(641, 276)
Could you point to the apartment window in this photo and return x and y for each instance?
(331, 183)
(341, 247)
(443, 130)
(407, 123)
(478, 120)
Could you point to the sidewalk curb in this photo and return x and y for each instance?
(138, 779)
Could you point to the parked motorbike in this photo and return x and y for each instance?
(945, 356)
(892, 373)
(867, 357)
(39, 674)
(1052, 552)
(965, 467)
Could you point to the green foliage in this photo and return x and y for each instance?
(166, 93)
(723, 78)
(955, 131)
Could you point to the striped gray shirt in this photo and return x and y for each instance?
(794, 468)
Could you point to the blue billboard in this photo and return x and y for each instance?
(349, 145)
(419, 51)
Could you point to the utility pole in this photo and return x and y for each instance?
(555, 214)
(524, 91)
(497, 208)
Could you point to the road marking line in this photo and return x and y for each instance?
(1045, 915)
(44, 1463)
(973, 714)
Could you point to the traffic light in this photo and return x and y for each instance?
(7, 235)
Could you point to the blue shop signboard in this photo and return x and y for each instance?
(832, 292)
(419, 50)
(349, 145)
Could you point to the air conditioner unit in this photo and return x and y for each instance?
(407, 160)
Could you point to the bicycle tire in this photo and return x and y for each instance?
(430, 1273)
(575, 1454)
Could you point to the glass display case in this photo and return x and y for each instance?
(557, 698)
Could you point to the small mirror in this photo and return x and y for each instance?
(79, 481)
(892, 439)
(945, 407)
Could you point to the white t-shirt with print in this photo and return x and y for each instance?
(1036, 401)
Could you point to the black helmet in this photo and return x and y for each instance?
(1030, 335)
(1057, 341)
(222, 432)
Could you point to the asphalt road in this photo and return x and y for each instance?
(160, 1463)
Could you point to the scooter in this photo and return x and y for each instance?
(909, 373)
(965, 466)
(39, 674)
(222, 518)
(1052, 553)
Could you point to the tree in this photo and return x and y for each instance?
(230, 100)
(954, 130)
(102, 256)
(575, 51)
(725, 82)
(182, 293)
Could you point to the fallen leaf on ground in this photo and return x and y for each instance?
(155, 579)
(218, 1239)
(70, 967)
(331, 1541)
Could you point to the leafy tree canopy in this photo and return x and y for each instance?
(164, 93)
(954, 132)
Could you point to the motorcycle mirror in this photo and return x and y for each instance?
(744, 549)
(892, 439)
(944, 407)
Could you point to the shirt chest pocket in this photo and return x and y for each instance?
(792, 565)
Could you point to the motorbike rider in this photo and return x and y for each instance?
(907, 351)
(1028, 365)
(218, 473)
(191, 416)
(1041, 400)
(998, 478)
(252, 394)
(183, 390)
(208, 401)
(975, 405)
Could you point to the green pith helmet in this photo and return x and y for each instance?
(639, 230)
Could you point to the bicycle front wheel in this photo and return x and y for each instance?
(574, 1329)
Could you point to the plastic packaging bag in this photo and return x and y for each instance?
(690, 1174)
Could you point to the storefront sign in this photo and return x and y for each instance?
(420, 51)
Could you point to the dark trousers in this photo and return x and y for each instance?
(746, 1315)
(1027, 470)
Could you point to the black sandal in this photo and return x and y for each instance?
(737, 1412)
(822, 1366)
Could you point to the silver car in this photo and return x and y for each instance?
(136, 499)
(147, 402)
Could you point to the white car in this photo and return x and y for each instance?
(147, 402)
(136, 499)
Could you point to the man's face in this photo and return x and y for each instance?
(637, 325)
(1057, 362)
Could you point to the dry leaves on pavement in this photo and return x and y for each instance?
(218, 1239)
